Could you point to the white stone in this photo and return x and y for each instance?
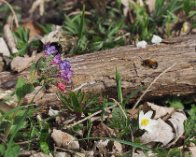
(141, 44)
(156, 39)
(4, 48)
(52, 112)
(65, 140)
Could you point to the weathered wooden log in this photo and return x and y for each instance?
(95, 72)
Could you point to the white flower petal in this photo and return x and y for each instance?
(149, 128)
(148, 114)
(145, 121)
(141, 44)
(141, 114)
(156, 39)
(142, 127)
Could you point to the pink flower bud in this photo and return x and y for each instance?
(61, 86)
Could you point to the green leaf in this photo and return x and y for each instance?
(22, 88)
(113, 30)
(75, 102)
(82, 24)
(2, 149)
(118, 119)
(20, 82)
(46, 28)
(43, 141)
(22, 38)
(119, 88)
(176, 103)
(12, 151)
(192, 112)
(22, 34)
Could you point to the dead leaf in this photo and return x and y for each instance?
(10, 103)
(35, 96)
(62, 154)
(101, 145)
(38, 4)
(140, 153)
(160, 111)
(1, 64)
(193, 151)
(177, 120)
(90, 153)
(151, 5)
(63, 139)
(40, 154)
(19, 64)
(117, 148)
(162, 133)
(99, 5)
(125, 3)
(34, 30)
(102, 130)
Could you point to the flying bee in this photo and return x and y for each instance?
(150, 63)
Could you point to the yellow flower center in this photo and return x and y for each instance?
(145, 122)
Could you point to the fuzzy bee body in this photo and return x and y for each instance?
(150, 63)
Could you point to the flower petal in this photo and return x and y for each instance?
(141, 115)
(148, 114)
(149, 128)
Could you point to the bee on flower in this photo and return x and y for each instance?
(146, 122)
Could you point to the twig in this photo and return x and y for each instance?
(13, 12)
(40, 4)
(118, 104)
(25, 142)
(83, 85)
(89, 117)
(69, 151)
(144, 93)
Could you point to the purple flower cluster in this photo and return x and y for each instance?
(50, 49)
(65, 70)
(57, 59)
(63, 65)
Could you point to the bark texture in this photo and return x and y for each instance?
(95, 72)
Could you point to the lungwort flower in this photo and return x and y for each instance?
(50, 49)
(65, 70)
(61, 86)
(145, 121)
(57, 59)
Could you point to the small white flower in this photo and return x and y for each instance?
(145, 121)
(52, 112)
(141, 44)
(156, 39)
